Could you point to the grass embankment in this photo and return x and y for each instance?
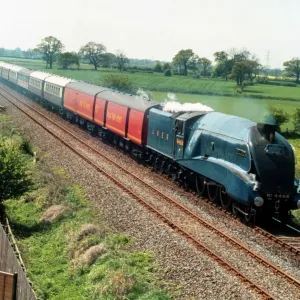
(69, 253)
(175, 84)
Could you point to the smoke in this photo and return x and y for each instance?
(144, 94)
(172, 105)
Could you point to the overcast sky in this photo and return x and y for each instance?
(158, 29)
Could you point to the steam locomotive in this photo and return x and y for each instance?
(245, 166)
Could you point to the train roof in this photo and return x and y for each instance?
(4, 64)
(86, 88)
(40, 75)
(188, 115)
(134, 102)
(227, 125)
(25, 71)
(58, 80)
(14, 67)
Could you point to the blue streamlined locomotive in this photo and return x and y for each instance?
(242, 164)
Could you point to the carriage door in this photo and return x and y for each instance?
(179, 139)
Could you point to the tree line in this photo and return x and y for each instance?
(239, 65)
(234, 64)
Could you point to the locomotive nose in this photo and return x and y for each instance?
(267, 131)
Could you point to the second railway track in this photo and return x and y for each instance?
(182, 211)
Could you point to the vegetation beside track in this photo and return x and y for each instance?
(68, 251)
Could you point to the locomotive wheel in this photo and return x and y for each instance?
(248, 219)
(200, 185)
(213, 192)
(225, 199)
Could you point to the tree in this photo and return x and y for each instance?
(167, 72)
(239, 71)
(185, 59)
(67, 59)
(220, 56)
(118, 82)
(14, 177)
(292, 67)
(121, 60)
(224, 64)
(253, 68)
(108, 59)
(157, 68)
(50, 47)
(277, 116)
(205, 63)
(166, 66)
(94, 53)
(245, 67)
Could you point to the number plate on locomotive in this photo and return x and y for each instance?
(274, 149)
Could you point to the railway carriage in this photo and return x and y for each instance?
(121, 117)
(79, 102)
(23, 78)
(125, 115)
(54, 88)
(1, 67)
(5, 70)
(36, 83)
(13, 73)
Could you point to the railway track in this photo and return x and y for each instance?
(162, 216)
(287, 236)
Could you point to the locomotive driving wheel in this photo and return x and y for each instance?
(225, 199)
(249, 215)
(213, 191)
(200, 185)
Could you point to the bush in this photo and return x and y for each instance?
(167, 72)
(14, 176)
(296, 120)
(119, 82)
(265, 80)
(276, 116)
(158, 68)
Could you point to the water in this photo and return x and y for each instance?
(250, 108)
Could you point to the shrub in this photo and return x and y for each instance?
(26, 147)
(14, 176)
(119, 82)
(296, 120)
(265, 80)
(158, 68)
(167, 72)
(277, 116)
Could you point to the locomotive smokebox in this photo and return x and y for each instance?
(267, 131)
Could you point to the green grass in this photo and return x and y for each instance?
(47, 248)
(177, 84)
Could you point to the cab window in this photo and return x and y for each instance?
(179, 127)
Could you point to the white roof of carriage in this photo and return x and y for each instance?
(58, 80)
(40, 75)
(5, 65)
(15, 68)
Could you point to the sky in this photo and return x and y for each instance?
(158, 29)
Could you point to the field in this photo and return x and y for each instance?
(175, 84)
